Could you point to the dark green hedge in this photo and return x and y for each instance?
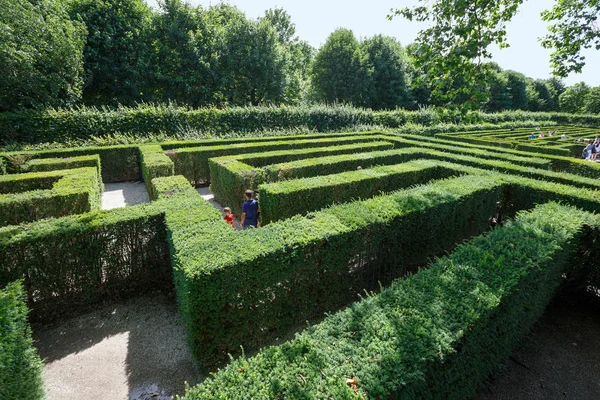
(155, 163)
(285, 199)
(230, 177)
(571, 165)
(33, 126)
(75, 191)
(53, 164)
(192, 162)
(119, 163)
(433, 335)
(71, 262)
(20, 364)
(242, 288)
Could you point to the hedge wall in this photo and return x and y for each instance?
(155, 163)
(71, 262)
(241, 288)
(53, 164)
(192, 162)
(119, 163)
(20, 364)
(76, 191)
(33, 126)
(230, 177)
(285, 199)
(433, 335)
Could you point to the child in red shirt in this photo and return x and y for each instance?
(228, 216)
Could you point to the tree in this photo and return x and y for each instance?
(556, 88)
(517, 89)
(391, 82)
(573, 99)
(574, 27)
(539, 97)
(461, 32)
(591, 103)
(184, 60)
(340, 70)
(40, 55)
(253, 63)
(499, 98)
(117, 51)
(297, 55)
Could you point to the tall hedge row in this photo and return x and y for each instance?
(285, 199)
(20, 364)
(192, 162)
(58, 125)
(76, 191)
(154, 163)
(433, 335)
(241, 288)
(69, 263)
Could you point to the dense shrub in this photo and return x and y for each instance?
(119, 163)
(155, 163)
(285, 199)
(435, 334)
(243, 288)
(20, 364)
(73, 191)
(71, 262)
(59, 125)
(192, 162)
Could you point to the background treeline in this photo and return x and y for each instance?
(57, 53)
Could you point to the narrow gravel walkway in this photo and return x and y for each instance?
(135, 350)
(117, 195)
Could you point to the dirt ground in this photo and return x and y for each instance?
(560, 360)
(135, 350)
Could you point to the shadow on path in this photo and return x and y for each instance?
(132, 350)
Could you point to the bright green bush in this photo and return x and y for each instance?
(230, 176)
(56, 125)
(73, 191)
(20, 364)
(72, 262)
(53, 164)
(434, 335)
(119, 163)
(242, 288)
(192, 162)
(285, 199)
(155, 163)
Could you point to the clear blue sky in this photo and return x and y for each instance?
(315, 20)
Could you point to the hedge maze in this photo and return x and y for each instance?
(351, 222)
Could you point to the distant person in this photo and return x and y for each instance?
(532, 136)
(229, 218)
(590, 152)
(250, 211)
(563, 136)
(541, 136)
(551, 133)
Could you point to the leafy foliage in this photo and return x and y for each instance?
(40, 55)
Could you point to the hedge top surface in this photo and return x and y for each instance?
(386, 342)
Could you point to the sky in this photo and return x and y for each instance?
(316, 19)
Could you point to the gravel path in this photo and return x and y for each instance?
(560, 360)
(117, 195)
(135, 350)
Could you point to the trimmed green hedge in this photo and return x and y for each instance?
(33, 126)
(557, 163)
(155, 163)
(285, 199)
(119, 163)
(20, 364)
(241, 288)
(192, 162)
(72, 262)
(433, 335)
(53, 164)
(73, 191)
(230, 177)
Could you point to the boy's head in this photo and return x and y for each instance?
(249, 194)
(227, 210)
